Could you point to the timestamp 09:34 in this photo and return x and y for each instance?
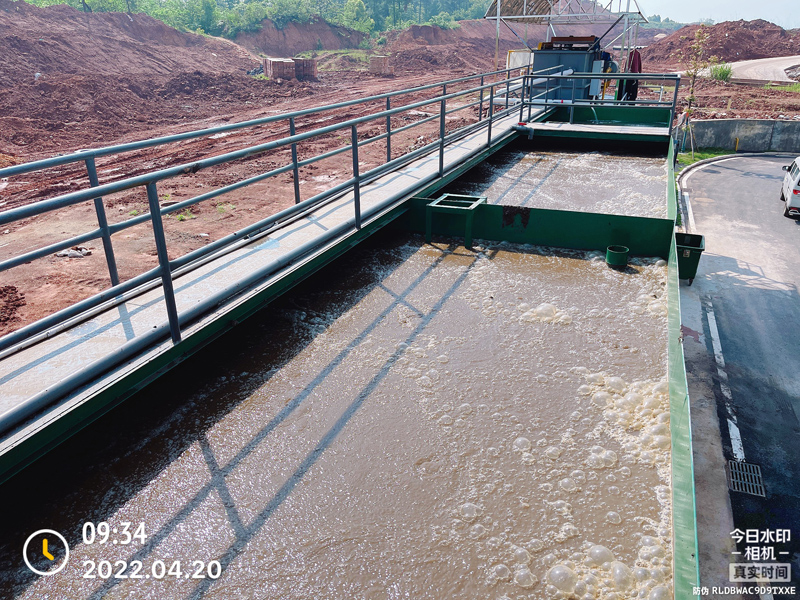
(126, 533)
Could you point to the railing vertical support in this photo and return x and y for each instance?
(491, 116)
(508, 89)
(163, 261)
(388, 131)
(674, 104)
(480, 109)
(356, 176)
(442, 114)
(522, 98)
(102, 222)
(295, 170)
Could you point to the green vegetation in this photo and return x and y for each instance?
(786, 88)
(185, 215)
(721, 72)
(685, 158)
(656, 22)
(230, 17)
(224, 207)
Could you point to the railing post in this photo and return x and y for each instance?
(480, 109)
(508, 89)
(491, 116)
(388, 131)
(163, 261)
(296, 171)
(357, 183)
(442, 113)
(674, 104)
(102, 222)
(522, 98)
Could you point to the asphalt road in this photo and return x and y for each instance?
(765, 68)
(742, 342)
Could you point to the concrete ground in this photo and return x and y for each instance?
(741, 332)
(765, 68)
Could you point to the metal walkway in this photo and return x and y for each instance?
(123, 338)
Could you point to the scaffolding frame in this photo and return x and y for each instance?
(572, 12)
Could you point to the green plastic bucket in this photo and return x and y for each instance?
(617, 256)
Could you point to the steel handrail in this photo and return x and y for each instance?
(82, 155)
(17, 338)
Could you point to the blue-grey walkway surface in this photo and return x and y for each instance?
(39, 368)
(741, 332)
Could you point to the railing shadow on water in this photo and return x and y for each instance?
(114, 466)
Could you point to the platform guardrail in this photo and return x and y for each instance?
(489, 84)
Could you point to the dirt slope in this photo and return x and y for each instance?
(299, 37)
(59, 39)
(729, 41)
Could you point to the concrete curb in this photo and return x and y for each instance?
(683, 202)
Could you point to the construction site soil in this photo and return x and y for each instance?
(71, 80)
(730, 41)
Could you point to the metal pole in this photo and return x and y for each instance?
(522, 98)
(388, 131)
(295, 170)
(508, 89)
(491, 115)
(357, 184)
(163, 261)
(442, 113)
(480, 110)
(102, 222)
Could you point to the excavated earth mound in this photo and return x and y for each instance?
(730, 41)
(59, 40)
(294, 38)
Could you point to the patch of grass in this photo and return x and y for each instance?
(788, 88)
(260, 77)
(721, 72)
(685, 158)
(224, 207)
(133, 213)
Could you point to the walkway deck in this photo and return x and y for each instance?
(238, 275)
(593, 130)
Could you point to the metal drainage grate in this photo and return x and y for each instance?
(746, 478)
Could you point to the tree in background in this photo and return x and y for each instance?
(695, 61)
(229, 17)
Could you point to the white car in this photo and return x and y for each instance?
(790, 192)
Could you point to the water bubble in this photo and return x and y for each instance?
(614, 490)
(493, 542)
(424, 381)
(613, 517)
(445, 420)
(562, 578)
(502, 572)
(609, 458)
(659, 593)
(641, 574)
(622, 576)
(536, 545)
(553, 452)
(601, 399)
(595, 378)
(579, 476)
(616, 384)
(521, 556)
(493, 452)
(470, 511)
(442, 358)
(464, 410)
(661, 389)
(524, 307)
(522, 443)
(477, 531)
(584, 390)
(524, 578)
(545, 312)
(528, 458)
(599, 555)
(568, 485)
